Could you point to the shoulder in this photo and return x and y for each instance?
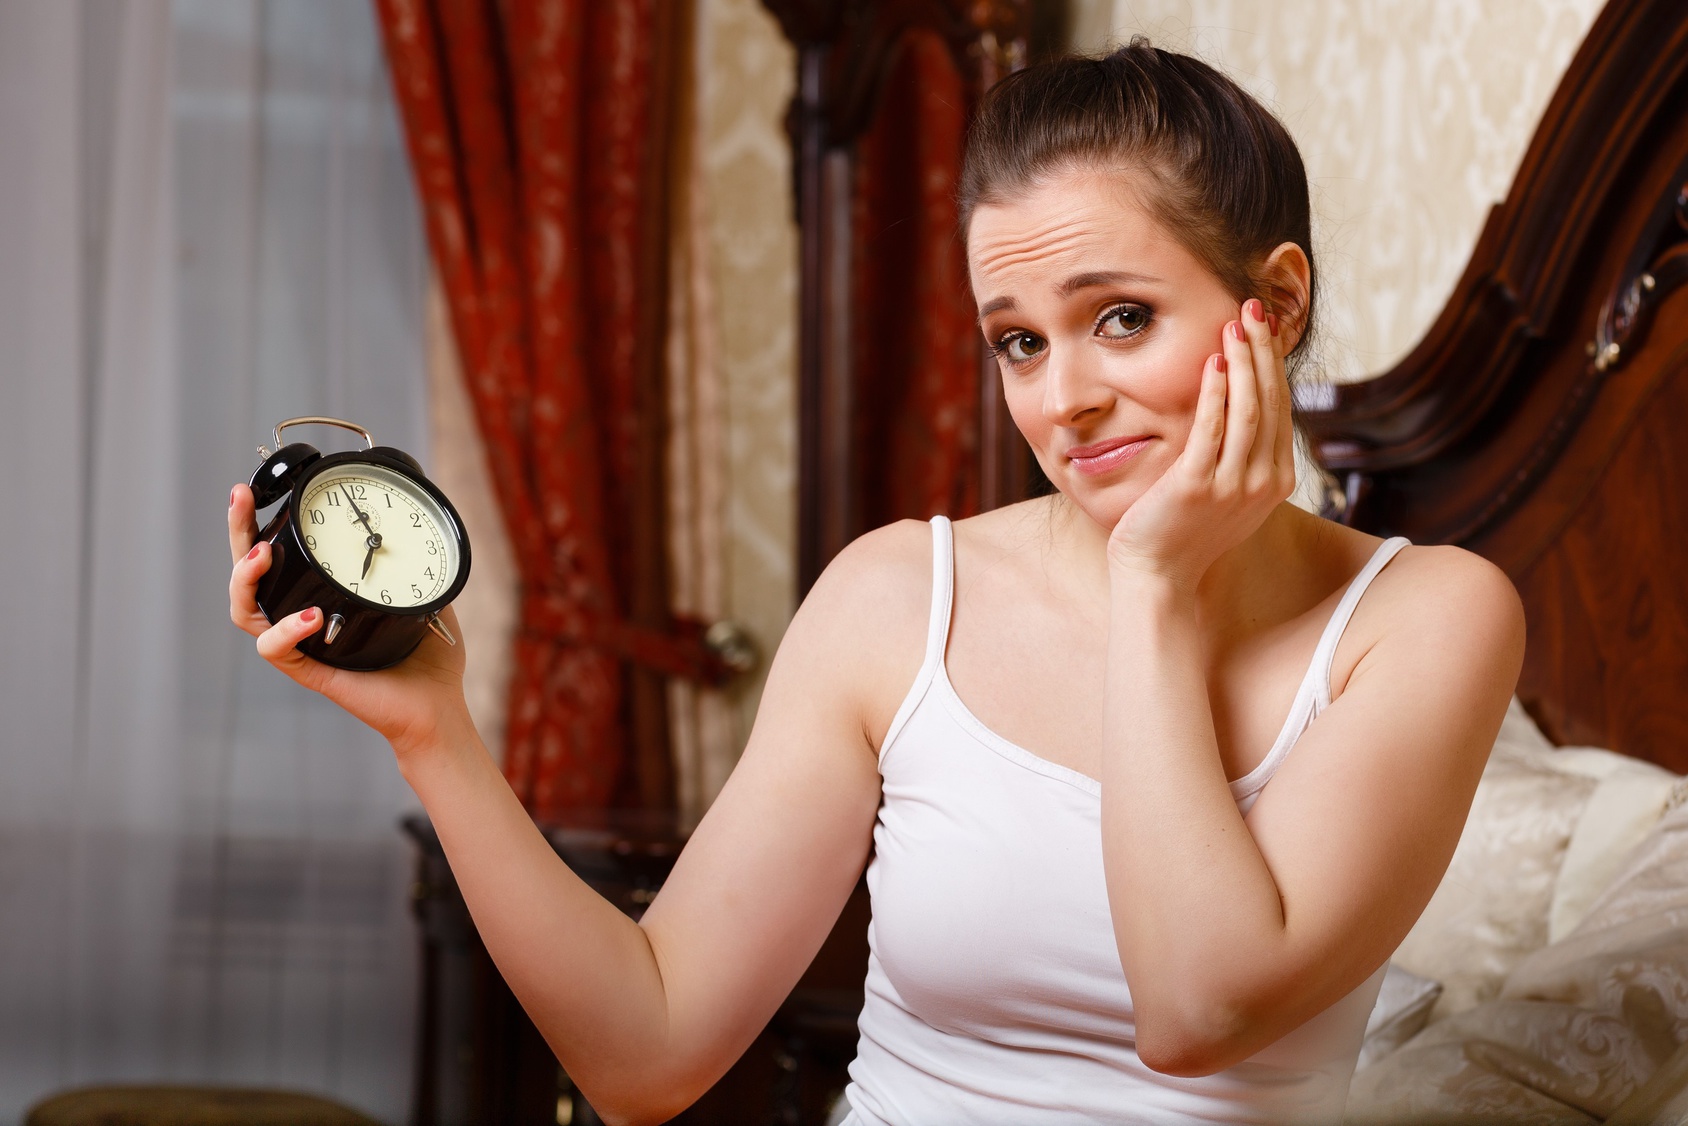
(1441, 590)
(878, 578)
(1439, 614)
(862, 627)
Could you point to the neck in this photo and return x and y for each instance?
(1240, 592)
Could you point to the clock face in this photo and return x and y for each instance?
(379, 534)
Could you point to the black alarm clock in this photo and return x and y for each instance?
(364, 537)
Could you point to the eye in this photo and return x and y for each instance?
(1020, 347)
(1122, 321)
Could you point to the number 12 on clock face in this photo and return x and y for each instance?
(377, 535)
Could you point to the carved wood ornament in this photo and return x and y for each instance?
(848, 51)
(1540, 422)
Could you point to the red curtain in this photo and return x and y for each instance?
(532, 125)
(915, 346)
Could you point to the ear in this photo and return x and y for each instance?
(1286, 277)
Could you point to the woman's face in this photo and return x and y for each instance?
(1101, 322)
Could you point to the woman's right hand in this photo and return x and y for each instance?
(409, 704)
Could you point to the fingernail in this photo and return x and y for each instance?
(1219, 362)
(1237, 330)
(309, 616)
(1255, 309)
(232, 492)
(1272, 322)
(253, 554)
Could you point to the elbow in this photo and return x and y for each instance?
(637, 1110)
(1193, 1039)
(631, 1116)
(654, 1096)
(1189, 1059)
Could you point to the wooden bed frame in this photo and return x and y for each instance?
(1543, 420)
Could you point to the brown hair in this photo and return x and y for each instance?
(1224, 175)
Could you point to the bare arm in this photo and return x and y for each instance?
(1259, 924)
(1233, 932)
(646, 1016)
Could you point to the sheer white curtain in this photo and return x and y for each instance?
(206, 225)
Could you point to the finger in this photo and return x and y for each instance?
(1208, 430)
(1242, 406)
(1268, 370)
(277, 644)
(1284, 450)
(243, 589)
(243, 523)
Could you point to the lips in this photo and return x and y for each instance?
(1104, 456)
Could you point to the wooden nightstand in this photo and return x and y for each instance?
(480, 1060)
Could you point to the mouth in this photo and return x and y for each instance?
(1105, 456)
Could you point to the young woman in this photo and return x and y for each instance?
(1111, 881)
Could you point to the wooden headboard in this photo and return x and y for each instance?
(1543, 420)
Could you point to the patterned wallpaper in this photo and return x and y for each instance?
(745, 81)
(1411, 115)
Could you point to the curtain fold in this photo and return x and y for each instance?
(916, 362)
(533, 128)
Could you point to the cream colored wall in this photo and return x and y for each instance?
(746, 74)
(1411, 115)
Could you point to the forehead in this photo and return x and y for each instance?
(1080, 221)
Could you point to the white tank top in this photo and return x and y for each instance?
(994, 988)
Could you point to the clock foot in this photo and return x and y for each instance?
(439, 629)
(333, 631)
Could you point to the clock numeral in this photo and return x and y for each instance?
(327, 570)
(333, 500)
(429, 571)
(317, 517)
(389, 497)
(415, 519)
(360, 492)
(387, 598)
(310, 542)
(431, 550)
(415, 591)
(354, 587)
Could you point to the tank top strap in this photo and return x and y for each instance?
(943, 592)
(1324, 657)
(1313, 696)
(937, 628)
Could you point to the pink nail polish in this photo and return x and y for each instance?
(1272, 322)
(309, 616)
(253, 554)
(232, 492)
(1255, 309)
(1219, 364)
(1237, 330)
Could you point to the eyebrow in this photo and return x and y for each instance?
(1103, 277)
(1072, 285)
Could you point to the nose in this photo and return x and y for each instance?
(1073, 389)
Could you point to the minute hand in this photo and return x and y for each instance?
(374, 539)
(362, 519)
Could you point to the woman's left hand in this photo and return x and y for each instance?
(1236, 467)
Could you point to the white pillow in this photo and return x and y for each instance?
(1402, 1009)
(1491, 908)
(1547, 833)
(1587, 1029)
(1629, 798)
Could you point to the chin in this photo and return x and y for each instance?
(1103, 502)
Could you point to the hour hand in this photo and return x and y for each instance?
(369, 557)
